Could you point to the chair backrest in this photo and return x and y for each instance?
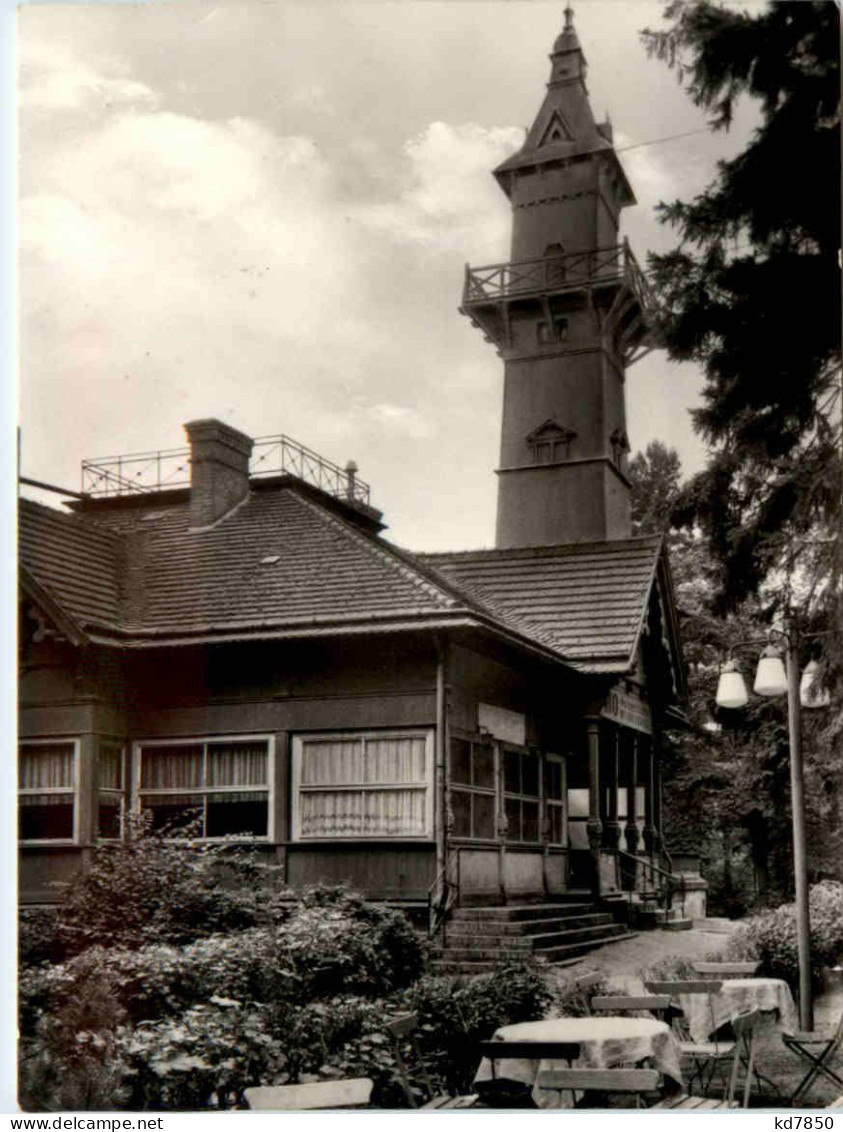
(402, 1030)
(744, 1030)
(728, 969)
(353, 1092)
(627, 1081)
(619, 1003)
(684, 986)
(529, 1051)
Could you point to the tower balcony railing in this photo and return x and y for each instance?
(570, 270)
(143, 472)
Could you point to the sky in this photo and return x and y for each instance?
(261, 212)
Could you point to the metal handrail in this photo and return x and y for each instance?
(671, 878)
(441, 897)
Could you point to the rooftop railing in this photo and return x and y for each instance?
(554, 273)
(142, 472)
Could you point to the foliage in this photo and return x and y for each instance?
(38, 936)
(158, 888)
(669, 968)
(752, 291)
(772, 937)
(454, 1018)
(655, 478)
(572, 997)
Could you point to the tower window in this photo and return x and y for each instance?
(550, 443)
(549, 332)
(620, 447)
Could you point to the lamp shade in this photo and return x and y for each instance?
(771, 678)
(811, 695)
(731, 690)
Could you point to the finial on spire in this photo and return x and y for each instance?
(569, 18)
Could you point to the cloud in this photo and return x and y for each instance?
(451, 202)
(51, 76)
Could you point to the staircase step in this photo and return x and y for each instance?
(520, 912)
(559, 957)
(554, 954)
(515, 928)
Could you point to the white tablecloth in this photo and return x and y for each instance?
(604, 1043)
(706, 1014)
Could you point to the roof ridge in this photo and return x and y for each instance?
(71, 520)
(632, 541)
(388, 557)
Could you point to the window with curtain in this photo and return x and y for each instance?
(367, 785)
(521, 794)
(471, 772)
(47, 790)
(111, 790)
(207, 788)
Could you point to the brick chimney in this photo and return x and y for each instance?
(219, 469)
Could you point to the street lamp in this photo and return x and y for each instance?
(774, 679)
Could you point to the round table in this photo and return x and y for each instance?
(604, 1042)
(706, 1013)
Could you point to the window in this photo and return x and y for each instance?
(111, 790)
(48, 777)
(550, 443)
(557, 832)
(555, 331)
(473, 794)
(372, 785)
(222, 784)
(521, 794)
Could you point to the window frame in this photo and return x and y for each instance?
(137, 793)
(120, 793)
(520, 797)
(560, 803)
(296, 758)
(471, 789)
(74, 790)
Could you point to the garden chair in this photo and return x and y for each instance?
(352, 1092)
(825, 1043)
(705, 1056)
(598, 1085)
(656, 1004)
(728, 970)
(743, 1053)
(402, 1030)
(503, 1093)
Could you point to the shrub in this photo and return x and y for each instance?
(155, 888)
(670, 968)
(771, 938)
(572, 998)
(336, 942)
(454, 1018)
(39, 937)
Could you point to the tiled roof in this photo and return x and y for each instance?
(282, 562)
(286, 562)
(79, 564)
(586, 601)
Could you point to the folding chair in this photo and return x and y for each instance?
(826, 1042)
(352, 1092)
(598, 1085)
(402, 1031)
(728, 970)
(656, 1004)
(705, 1056)
(501, 1092)
(743, 1052)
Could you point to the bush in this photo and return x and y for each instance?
(154, 888)
(454, 1018)
(669, 969)
(771, 938)
(39, 937)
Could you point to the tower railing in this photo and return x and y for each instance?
(521, 278)
(142, 472)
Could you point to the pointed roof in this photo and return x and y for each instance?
(564, 126)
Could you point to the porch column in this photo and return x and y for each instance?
(631, 812)
(594, 826)
(651, 834)
(612, 829)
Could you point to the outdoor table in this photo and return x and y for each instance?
(604, 1042)
(706, 1014)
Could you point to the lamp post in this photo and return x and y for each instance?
(774, 679)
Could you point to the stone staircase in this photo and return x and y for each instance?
(477, 939)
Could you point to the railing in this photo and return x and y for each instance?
(142, 472)
(441, 897)
(554, 273)
(671, 882)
